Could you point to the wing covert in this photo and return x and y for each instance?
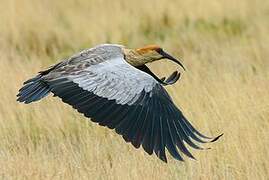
(121, 97)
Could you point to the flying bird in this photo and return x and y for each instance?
(111, 85)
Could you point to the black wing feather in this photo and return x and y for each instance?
(152, 120)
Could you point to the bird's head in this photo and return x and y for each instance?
(150, 53)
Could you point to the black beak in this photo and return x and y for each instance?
(167, 56)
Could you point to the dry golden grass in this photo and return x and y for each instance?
(225, 49)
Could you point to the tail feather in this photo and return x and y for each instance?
(33, 90)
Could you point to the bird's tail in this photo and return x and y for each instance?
(33, 90)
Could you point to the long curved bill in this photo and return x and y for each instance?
(168, 56)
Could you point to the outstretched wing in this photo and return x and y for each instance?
(121, 97)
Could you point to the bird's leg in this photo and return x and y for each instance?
(169, 81)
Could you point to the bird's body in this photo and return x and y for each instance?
(111, 85)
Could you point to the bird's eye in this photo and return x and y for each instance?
(159, 50)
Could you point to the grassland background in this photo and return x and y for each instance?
(224, 45)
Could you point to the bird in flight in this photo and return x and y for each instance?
(111, 85)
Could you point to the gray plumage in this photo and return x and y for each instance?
(102, 85)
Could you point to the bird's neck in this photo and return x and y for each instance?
(134, 58)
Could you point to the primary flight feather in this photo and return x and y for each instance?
(112, 85)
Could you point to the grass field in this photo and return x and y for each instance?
(223, 44)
